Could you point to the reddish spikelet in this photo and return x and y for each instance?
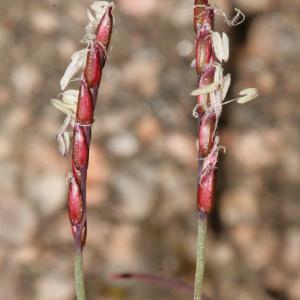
(205, 68)
(95, 61)
(206, 192)
(80, 148)
(104, 29)
(92, 72)
(85, 108)
(207, 182)
(75, 203)
(206, 134)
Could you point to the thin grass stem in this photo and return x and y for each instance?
(200, 260)
(79, 277)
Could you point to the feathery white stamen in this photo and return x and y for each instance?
(68, 104)
(205, 90)
(63, 135)
(78, 62)
(70, 97)
(221, 46)
(247, 95)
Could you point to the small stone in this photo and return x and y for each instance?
(10, 171)
(253, 151)
(43, 21)
(17, 220)
(185, 48)
(25, 255)
(293, 289)
(243, 236)
(54, 286)
(182, 148)
(221, 254)
(254, 6)
(9, 286)
(98, 176)
(77, 12)
(290, 247)
(266, 82)
(66, 48)
(122, 248)
(148, 129)
(238, 206)
(135, 196)
(4, 94)
(48, 191)
(123, 145)
(17, 119)
(274, 279)
(263, 251)
(25, 78)
(137, 8)
(142, 73)
(46, 180)
(270, 30)
(6, 147)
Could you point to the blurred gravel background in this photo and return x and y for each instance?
(142, 177)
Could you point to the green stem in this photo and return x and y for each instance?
(200, 264)
(79, 277)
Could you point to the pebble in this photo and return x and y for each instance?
(99, 173)
(66, 47)
(25, 78)
(45, 176)
(5, 95)
(123, 249)
(274, 279)
(290, 247)
(185, 48)
(9, 175)
(54, 285)
(6, 147)
(238, 206)
(270, 30)
(253, 142)
(135, 195)
(254, 6)
(148, 129)
(43, 21)
(142, 73)
(137, 8)
(18, 221)
(293, 289)
(182, 148)
(48, 191)
(123, 145)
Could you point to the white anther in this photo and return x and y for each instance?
(78, 60)
(247, 95)
(221, 46)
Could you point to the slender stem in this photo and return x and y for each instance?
(79, 277)
(201, 240)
